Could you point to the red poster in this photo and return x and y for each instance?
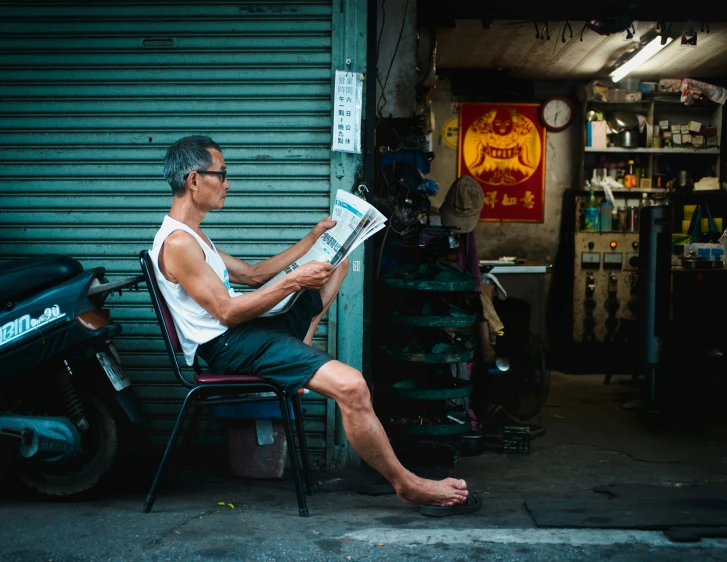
(502, 146)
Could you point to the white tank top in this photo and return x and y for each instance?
(194, 324)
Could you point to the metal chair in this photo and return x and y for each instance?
(211, 389)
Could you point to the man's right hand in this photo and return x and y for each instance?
(313, 275)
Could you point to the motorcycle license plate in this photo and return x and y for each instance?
(113, 370)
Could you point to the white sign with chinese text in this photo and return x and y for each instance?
(347, 105)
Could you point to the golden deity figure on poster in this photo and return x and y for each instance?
(502, 147)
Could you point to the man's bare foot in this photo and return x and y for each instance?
(420, 491)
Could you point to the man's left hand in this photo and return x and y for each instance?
(321, 227)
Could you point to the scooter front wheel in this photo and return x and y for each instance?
(99, 445)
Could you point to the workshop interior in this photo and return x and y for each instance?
(597, 246)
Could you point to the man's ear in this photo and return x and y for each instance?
(192, 181)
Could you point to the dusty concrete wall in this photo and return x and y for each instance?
(532, 241)
(396, 58)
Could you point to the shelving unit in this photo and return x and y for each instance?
(716, 199)
(426, 338)
(664, 160)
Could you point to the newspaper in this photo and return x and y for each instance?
(356, 220)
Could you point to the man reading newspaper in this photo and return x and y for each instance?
(238, 332)
(355, 220)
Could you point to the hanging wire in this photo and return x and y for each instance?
(378, 50)
(546, 32)
(585, 25)
(631, 31)
(665, 32)
(570, 30)
(393, 56)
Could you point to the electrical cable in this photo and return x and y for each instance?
(388, 226)
(546, 32)
(585, 26)
(378, 46)
(570, 30)
(393, 56)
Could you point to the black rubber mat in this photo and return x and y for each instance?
(634, 506)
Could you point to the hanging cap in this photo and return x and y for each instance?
(462, 205)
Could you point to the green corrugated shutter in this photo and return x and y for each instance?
(91, 97)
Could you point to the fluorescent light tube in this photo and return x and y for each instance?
(639, 58)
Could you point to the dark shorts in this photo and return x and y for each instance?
(272, 347)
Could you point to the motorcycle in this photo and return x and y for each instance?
(64, 398)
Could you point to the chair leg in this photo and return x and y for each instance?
(192, 428)
(302, 444)
(151, 496)
(293, 455)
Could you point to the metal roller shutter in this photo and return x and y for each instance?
(92, 96)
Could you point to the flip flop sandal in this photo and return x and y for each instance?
(473, 503)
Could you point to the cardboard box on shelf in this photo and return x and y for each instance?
(695, 126)
(670, 85)
(687, 138)
(664, 124)
(677, 138)
(597, 134)
(708, 183)
(712, 141)
(697, 140)
(684, 130)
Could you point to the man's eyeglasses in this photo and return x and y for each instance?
(222, 174)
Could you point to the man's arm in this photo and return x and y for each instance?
(256, 275)
(181, 260)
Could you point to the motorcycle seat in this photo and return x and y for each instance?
(26, 276)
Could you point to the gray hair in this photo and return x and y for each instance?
(184, 156)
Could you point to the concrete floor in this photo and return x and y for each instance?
(590, 441)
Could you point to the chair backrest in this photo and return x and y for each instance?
(164, 316)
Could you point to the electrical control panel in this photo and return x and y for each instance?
(613, 260)
(604, 283)
(591, 260)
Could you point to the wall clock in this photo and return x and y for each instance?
(556, 114)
